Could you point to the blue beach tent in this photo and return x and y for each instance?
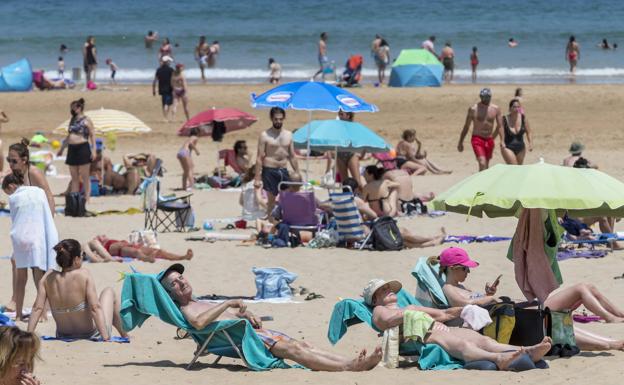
(416, 68)
(16, 77)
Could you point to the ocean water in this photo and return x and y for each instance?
(252, 31)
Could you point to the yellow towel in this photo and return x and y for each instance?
(416, 325)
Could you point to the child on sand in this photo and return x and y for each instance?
(186, 161)
(113, 68)
(61, 67)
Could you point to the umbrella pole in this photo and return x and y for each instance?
(336, 168)
(307, 178)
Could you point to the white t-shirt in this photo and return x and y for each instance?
(428, 45)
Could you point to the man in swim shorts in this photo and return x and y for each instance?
(165, 90)
(201, 55)
(201, 314)
(275, 150)
(482, 116)
(322, 56)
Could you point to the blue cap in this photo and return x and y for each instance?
(177, 267)
(99, 144)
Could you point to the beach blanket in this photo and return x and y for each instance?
(576, 253)
(33, 232)
(474, 238)
(117, 339)
(129, 211)
(143, 296)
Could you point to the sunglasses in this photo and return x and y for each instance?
(11, 160)
(460, 267)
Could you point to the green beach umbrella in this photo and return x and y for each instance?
(504, 189)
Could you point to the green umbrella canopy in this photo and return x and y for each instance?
(415, 56)
(504, 189)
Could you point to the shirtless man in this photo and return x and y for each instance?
(462, 343)
(275, 150)
(482, 115)
(322, 56)
(201, 55)
(201, 314)
(3, 119)
(448, 60)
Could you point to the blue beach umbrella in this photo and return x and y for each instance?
(311, 96)
(331, 135)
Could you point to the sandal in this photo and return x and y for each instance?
(313, 295)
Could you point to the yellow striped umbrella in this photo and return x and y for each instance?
(110, 121)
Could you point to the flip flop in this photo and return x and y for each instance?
(313, 295)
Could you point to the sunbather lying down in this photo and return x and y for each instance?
(461, 343)
(103, 249)
(201, 314)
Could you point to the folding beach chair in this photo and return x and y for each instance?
(429, 284)
(299, 209)
(229, 159)
(164, 213)
(349, 312)
(143, 296)
(387, 161)
(348, 219)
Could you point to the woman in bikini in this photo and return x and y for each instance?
(474, 63)
(76, 308)
(407, 199)
(409, 156)
(80, 143)
(180, 88)
(186, 161)
(573, 54)
(380, 193)
(456, 264)
(165, 49)
(103, 249)
(515, 125)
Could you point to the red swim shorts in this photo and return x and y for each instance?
(482, 147)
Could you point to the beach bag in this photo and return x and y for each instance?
(273, 282)
(561, 330)
(386, 235)
(503, 322)
(75, 205)
(144, 238)
(189, 218)
(390, 348)
(530, 326)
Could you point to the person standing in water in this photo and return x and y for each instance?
(573, 54)
(322, 56)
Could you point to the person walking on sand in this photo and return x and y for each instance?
(474, 63)
(186, 161)
(515, 125)
(275, 150)
(322, 56)
(382, 59)
(201, 55)
(573, 54)
(163, 76)
(482, 116)
(448, 61)
(89, 56)
(180, 88)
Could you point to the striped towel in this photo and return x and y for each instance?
(348, 219)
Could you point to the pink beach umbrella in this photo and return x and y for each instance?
(232, 118)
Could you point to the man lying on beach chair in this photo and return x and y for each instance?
(425, 325)
(170, 290)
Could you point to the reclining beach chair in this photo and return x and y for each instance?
(429, 284)
(164, 213)
(229, 159)
(299, 209)
(348, 220)
(349, 312)
(143, 296)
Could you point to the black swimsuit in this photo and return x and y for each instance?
(514, 141)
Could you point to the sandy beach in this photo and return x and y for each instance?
(559, 114)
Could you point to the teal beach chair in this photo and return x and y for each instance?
(429, 284)
(143, 296)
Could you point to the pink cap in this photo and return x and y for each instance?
(456, 256)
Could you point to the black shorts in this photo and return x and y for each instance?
(113, 74)
(167, 99)
(271, 178)
(78, 154)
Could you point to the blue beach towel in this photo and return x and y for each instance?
(117, 339)
(143, 296)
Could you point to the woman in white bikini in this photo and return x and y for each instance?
(186, 161)
(76, 308)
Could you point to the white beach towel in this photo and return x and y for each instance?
(475, 317)
(33, 232)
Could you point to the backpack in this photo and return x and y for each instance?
(385, 235)
(75, 205)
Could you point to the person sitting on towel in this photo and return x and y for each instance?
(201, 314)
